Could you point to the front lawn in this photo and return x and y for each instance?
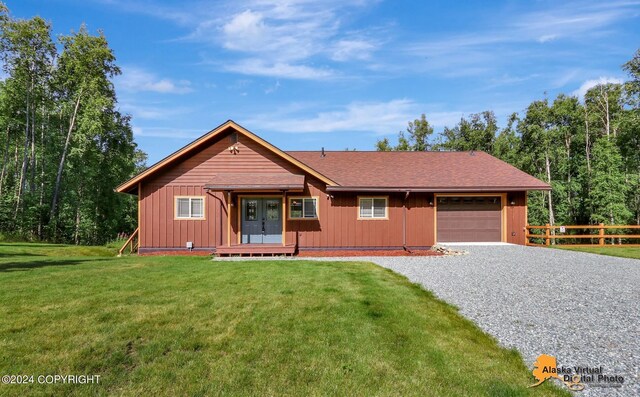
(192, 326)
(624, 252)
(31, 251)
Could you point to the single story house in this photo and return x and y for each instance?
(232, 192)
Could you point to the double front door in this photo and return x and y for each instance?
(261, 220)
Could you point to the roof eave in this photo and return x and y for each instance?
(254, 187)
(469, 189)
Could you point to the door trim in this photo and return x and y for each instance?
(239, 212)
(503, 211)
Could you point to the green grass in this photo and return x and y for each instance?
(32, 251)
(624, 252)
(190, 326)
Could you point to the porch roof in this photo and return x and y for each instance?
(256, 181)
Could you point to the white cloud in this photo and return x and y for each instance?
(373, 117)
(565, 77)
(144, 112)
(273, 88)
(293, 39)
(245, 32)
(285, 31)
(135, 79)
(571, 20)
(486, 50)
(165, 132)
(547, 37)
(304, 39)
(258, 67)
(182, 15)
(509, 80)
(153, 112)
(587, 85)
(347, 50)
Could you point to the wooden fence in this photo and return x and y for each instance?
(133, 242)
(601, 233)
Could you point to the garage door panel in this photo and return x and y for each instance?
(469, 219)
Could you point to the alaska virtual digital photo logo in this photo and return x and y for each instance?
(575, 378)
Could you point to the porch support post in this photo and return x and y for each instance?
(284, 218)
(228, 218)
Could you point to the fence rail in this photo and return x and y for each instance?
(133, 241)
(557, 233)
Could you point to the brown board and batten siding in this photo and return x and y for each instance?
(420, 218)
(188, 177)
(160, 229)
(216, 158)
(516, 217)
(338, 225)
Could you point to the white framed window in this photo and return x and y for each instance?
(189, 207)
(303, 208)
(373, 208)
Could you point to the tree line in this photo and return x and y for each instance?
(587, 149)
(64, 145)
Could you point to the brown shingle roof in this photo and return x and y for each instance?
(249, 181)
(437, 171)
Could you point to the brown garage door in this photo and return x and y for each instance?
(469, 219)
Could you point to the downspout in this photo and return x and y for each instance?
(404, 222)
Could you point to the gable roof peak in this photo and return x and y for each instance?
(131, 184)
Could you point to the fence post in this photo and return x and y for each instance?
(601, 239)
(546, 234)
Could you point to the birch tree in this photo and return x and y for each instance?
(27, 54)
(85, 90)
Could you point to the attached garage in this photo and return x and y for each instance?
(469, 219)
(323, 200)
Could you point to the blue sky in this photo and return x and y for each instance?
(304, 74)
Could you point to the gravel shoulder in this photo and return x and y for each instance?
(581, 308)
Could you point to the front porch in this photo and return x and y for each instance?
(256, 250)
(255, 206)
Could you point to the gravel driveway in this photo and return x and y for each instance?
(581, 308)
